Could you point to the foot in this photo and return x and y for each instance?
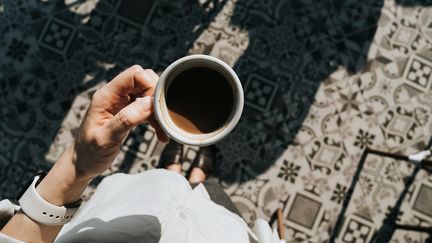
(175, 167)
(202, 166)
(197, 175)
(171, 157)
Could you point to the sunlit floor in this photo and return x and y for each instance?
(323, 80)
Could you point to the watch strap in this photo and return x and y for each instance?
(41, 211)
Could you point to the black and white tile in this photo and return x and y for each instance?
(322, 81)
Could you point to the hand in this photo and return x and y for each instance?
(116, 108)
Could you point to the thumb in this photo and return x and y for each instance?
(130, 116)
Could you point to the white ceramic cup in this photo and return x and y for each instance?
(161, 110)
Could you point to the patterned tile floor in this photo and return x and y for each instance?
(322, 80)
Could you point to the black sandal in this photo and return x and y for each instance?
(171, 154)
(204, 160)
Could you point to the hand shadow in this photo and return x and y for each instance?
(132, 228)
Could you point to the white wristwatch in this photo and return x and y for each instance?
(41, 211)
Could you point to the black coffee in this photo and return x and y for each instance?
(200, 100)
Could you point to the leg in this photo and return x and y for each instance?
(176, 167)
(200, 171)
(197, 176)
(219, 196)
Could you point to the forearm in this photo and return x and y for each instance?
(62, 185)
(115, 109)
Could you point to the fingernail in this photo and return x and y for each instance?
(146, 103)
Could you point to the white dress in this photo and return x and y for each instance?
(154, 206)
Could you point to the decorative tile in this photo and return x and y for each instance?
(357, 230)
(259, 92)
(272, 196)
(420, 199)
(382, 182)
(350, 102)
(418, 74)
(326, 154)
(358, 134)
(381, 90)
(57, 36)
(400, 32)
(250, 189)
(399, 126)
(322, 81)
(319, 121)
(304, 212)
(404, 35)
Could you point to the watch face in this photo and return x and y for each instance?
(29, 182)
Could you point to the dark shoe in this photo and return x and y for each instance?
(171, 154)
(204, 160)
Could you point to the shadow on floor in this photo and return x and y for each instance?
(413, 3)
(48, 49)
(51, 52)
(293, 46)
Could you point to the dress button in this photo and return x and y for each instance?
(183, 215)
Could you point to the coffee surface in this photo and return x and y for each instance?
(200, 100)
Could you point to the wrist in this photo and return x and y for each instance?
(63, 184)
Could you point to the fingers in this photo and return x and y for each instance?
(134, 80)
(129, 117)
(124, 92)
(153, 74)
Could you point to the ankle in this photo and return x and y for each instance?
(197, 175)
(174, 167)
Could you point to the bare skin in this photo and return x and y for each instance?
(174, 167)
(115, 110)
(197, 175)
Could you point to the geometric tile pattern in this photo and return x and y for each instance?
(423, 196)
(259, 93)
(57, 35)
(357, 231)
(419, 73)
(304, 211)
(322, 81)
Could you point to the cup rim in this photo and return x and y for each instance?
(193, 139)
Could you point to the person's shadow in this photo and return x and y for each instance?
(68, 49)
(294, 45)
